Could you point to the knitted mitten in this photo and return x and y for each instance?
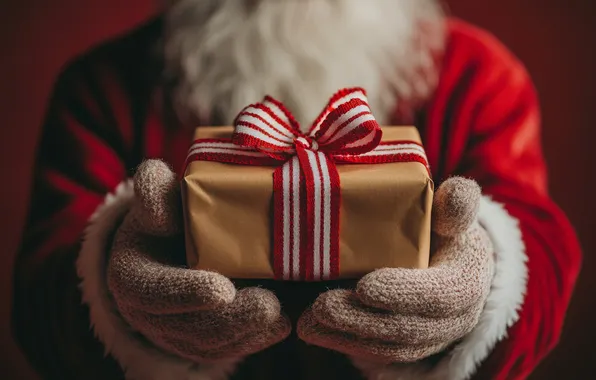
(193, 314)
(404, 315)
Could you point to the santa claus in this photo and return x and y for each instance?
(505, 257)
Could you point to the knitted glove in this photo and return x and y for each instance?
(197, 315)
(404, 315)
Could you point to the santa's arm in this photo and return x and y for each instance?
(488, 110)
(499, 111)
(77, 163)
(64, 317)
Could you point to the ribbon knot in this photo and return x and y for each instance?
(306, 143)
(306, 184)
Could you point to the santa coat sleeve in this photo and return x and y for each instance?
(64, 318)
(504, 155)
(485, 124)
(76, 164)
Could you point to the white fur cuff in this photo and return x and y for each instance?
(501, 310)
(137, 359)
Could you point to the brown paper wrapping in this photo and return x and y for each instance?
(384, 215)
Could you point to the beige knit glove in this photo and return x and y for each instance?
(404, 315)
(193, 314)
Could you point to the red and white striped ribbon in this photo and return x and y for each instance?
(306, 184)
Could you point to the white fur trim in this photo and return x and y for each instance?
(137, 359)
(500, 312)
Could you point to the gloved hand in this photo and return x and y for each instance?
(405, 315)
(194, 314)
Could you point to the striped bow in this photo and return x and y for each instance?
(306, 185)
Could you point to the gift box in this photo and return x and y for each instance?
(312, 207)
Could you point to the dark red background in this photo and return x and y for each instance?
(554, 38)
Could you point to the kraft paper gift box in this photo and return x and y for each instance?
(384, 216)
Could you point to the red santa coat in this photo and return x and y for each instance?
(106, 115)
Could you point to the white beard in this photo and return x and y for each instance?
(226, 54)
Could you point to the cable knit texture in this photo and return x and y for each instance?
(400, 315)
(196, 315)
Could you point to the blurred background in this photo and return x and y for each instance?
(555, 39)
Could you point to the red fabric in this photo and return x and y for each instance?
(104, 119)
(488, 108)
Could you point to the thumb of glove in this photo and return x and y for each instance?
(455, 206)
(157, 210)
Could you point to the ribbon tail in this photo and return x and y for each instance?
(286, 221)
(321, 246)
(309, 208)
(332, 203)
